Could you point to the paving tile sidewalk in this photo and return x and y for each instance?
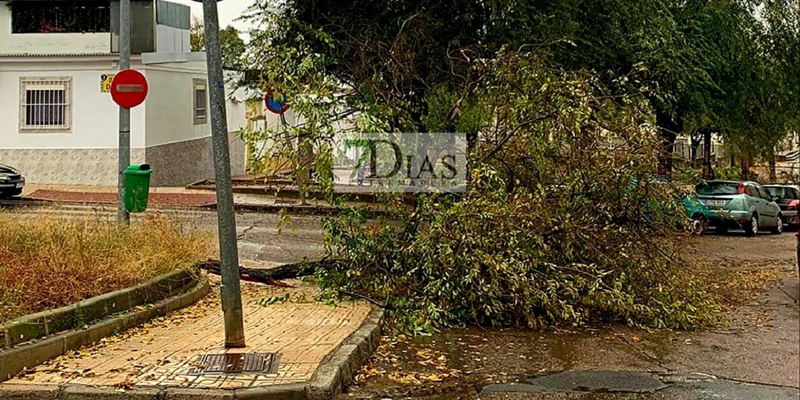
(161, 196)
(162, 353)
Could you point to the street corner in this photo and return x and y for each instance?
(292, 340)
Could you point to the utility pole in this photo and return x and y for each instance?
(229, 254)
(124, 149)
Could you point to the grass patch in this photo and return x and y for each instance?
(48, 262)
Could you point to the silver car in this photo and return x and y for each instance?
(742, 205)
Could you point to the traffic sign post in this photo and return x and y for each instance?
(129, 88)
(124, 149)
(276, 102)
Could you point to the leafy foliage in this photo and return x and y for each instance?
(231, 44)
(539, 238)
(708, 66)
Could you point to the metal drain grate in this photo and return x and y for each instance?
(231, 363)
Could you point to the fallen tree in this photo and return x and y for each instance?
(270, 276)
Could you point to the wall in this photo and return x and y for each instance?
(179, 151)
(173, 22)
(49, 43)
(169, 39)
(86, 155)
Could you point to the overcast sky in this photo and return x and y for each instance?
(229, 10)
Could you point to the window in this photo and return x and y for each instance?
(762, 193)
(200, 109)
(751, 191)
(717, 188)
(60, 16)
(45, 105)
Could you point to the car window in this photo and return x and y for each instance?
(762, 193)
(795, 194)
(751, 191)
(780, 192)
(717, 188)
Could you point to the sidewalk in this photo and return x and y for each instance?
(165, 354)
(108, 195)
(164, 197)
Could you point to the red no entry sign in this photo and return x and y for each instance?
(129, 88)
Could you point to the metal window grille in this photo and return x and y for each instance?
(45, 104)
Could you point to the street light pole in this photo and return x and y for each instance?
(124, 148)
(229, 255)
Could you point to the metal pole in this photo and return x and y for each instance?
(229, 255)
(124, 156)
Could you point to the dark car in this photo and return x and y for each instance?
(742, 205)
(11, 182)
(788, 199)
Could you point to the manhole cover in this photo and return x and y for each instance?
(231, 363)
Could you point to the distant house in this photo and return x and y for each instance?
(58, 123)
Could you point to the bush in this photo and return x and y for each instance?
(687, 176)
(728, 173)
(561, 224)
(47, 263)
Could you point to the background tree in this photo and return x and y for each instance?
(705, 61)
(231, 44)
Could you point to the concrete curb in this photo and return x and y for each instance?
(340, 366)
(292, 209)
(74, 316)
(242, 207)
(28, 355)
(334, 373)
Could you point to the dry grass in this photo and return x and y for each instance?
(50, 262)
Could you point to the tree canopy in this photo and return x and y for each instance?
(231, 44)
(570, 109)
(727, 66)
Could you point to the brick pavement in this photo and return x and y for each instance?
(162, 352)
(155, 199)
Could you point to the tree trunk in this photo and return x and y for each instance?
(665, 160)
(745, 167)
(695, 143)
(304, 169)
(668, 132)
(771, 160)
(707, 173)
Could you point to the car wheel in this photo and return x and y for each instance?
(752, 228)
(778, 229)
(698, 224)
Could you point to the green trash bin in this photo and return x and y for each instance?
(137, 187)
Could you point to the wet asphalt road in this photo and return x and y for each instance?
(757, 357)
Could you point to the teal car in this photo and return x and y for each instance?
(697, 212)
(744, 205)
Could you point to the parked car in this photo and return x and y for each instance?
(11, 182)
(744, 205)
(788, 199)
(696, 211)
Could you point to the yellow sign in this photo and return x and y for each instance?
(105, 82)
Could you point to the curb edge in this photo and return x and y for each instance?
(28, 356)
(339, 367)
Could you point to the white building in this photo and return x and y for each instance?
(58, 123)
